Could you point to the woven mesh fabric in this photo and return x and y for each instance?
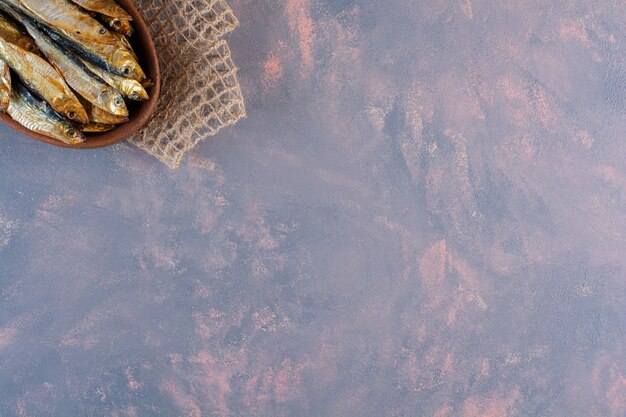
(200, 93)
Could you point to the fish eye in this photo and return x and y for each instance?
(118, 102)
(126, 71)
(117, 23)
(72, 115)
(78, 32)
(102, 31)
(72, 133)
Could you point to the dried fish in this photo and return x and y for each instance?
(60, 64)
(96, 128)
(97, 115)
(11, 33)
(42, 78)
(109, 56)
(104, 7)
(124, 43)
(38, 117)
(129, 88)
(78, 76)
(68, 17)
(122, 26)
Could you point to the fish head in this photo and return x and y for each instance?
(113, 102)
(74, 110)
(28, 45)
(122, 26)
(134, 90)
(128, 66)
(72, 135)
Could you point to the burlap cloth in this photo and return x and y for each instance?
(200, 93)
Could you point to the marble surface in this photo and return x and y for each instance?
(423, 215)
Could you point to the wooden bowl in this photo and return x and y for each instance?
(140, 112)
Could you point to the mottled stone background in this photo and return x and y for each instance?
(423, 215)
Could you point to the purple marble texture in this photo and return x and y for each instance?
(423, 215)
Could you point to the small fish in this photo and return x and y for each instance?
(129, 88)
(124, 43)
(5, 86)
(11, 33)
(78, 76)
(68, 17)
(43, 79)
(104, 7)
(96, 128)
(38, 117)
(122, 26)
(109, 56)
(97, 115)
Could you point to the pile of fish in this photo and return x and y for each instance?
(66, 67)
